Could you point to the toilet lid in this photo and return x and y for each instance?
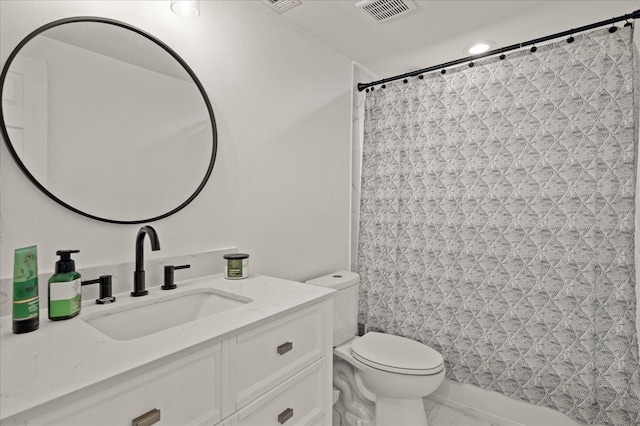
(396, 354)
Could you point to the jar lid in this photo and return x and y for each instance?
(236, 256)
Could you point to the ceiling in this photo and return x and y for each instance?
(438, 31)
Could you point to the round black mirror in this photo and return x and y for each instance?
(107, 120)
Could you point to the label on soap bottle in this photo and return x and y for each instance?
(64, 298)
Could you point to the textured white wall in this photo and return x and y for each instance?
(280, 186)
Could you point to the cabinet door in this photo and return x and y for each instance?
(187, 391)
(298, 401)
(266, 356)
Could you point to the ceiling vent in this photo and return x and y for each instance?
(385, 10)
(282, 6)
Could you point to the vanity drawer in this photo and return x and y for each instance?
(266, 356)
(169, 389)
(297, 401)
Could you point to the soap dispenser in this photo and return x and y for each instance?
(65, 294)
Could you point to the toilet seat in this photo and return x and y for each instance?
(396, 354)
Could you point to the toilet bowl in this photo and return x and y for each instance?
(393, 372)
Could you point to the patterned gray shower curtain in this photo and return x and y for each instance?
(497, 223)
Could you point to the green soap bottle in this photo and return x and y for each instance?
(65, 291)
(26, 304)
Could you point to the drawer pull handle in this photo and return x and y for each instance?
(285, 347)
(285, 415)
(147, 419)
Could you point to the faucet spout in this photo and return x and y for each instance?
(139, 275)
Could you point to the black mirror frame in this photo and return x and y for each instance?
(21, 165)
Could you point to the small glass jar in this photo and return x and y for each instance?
(236, 266)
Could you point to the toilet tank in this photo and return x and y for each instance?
(345, 305)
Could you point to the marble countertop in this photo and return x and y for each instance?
(63, 357)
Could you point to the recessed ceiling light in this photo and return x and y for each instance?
(186, 8)
(480, 47)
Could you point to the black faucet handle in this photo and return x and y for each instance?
(169, 283)
(105, 289)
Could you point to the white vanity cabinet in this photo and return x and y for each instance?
(276, 373)
(282, 370)
(187, 391)
(267, 361)
(265, 356)
(300, 400)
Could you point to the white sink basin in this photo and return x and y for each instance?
(161, 313)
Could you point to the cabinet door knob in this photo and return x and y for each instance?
(285, 347)
(285, 415)
(147, 419)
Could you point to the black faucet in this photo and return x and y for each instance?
(138, 274)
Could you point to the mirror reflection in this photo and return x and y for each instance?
(108, 121)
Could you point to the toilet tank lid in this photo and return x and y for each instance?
(337, 280)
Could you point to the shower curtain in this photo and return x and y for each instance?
(497, 223)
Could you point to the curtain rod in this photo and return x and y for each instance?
(502, 50)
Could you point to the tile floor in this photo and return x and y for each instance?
(442, 415)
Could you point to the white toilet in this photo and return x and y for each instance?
(393, 372)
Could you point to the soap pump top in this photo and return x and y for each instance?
(66, 263)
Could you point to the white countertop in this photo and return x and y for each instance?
(63, 357)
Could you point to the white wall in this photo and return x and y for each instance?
(280, 187)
